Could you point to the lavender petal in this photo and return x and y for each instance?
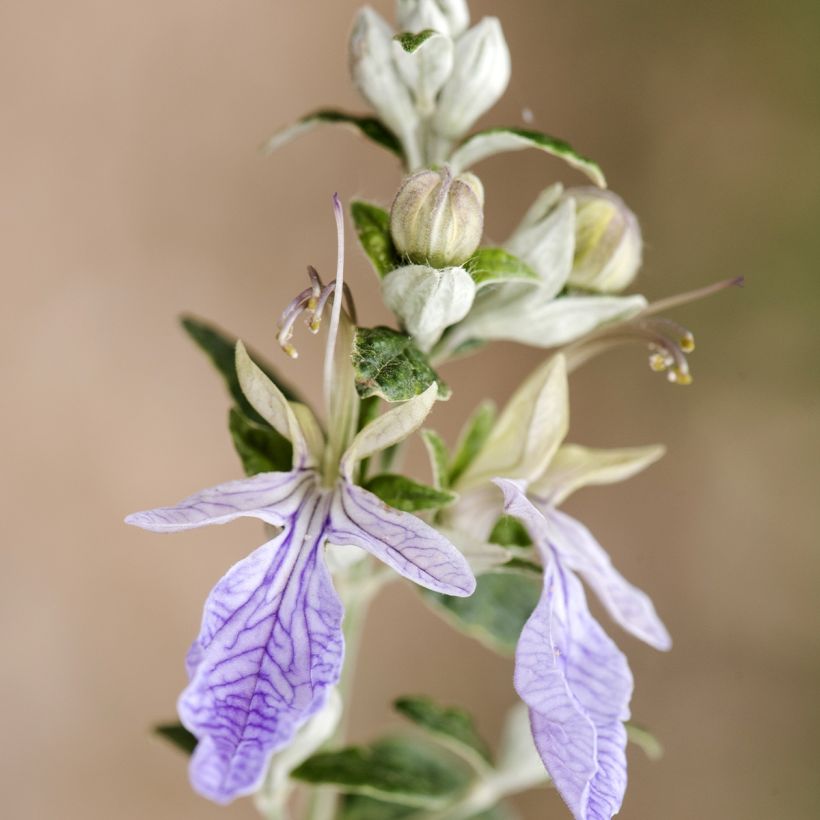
(578, 685)
(627, 605)
(403, 541)
(269, 648)
(272, 497)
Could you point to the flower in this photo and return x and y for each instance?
(270, 647)
(574, 680)
(547, 312)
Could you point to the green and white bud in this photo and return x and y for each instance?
(437, 219)
(608, 241)
(428, 300)
(447, 16)
(480, 75)
(375, 74)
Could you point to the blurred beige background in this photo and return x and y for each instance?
(131, 191)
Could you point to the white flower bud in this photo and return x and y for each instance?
(480, 75)
(447, 16)
(428, 300)
(377, 78)
(437, 219)
(608, 241)
(425, 68)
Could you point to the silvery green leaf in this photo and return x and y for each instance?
(496, 612)
(428, 300)
(405, 494)
(472, 439)
(481, 71)
(439, 458)
(261, 448)
(220, 348)
(493, 266)
(372, 225)
(510, 532)
(447, 16)
(401, 770)
(177, 735)
(522, 318)
(390, 366)
(370, 127)
(424, 61)
(451, 723)
(548, 246)
(377, 78)
(500, 140)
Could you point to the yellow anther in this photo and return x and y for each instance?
(291, 351)
(658, 362)
(679, 376)
(687, 343)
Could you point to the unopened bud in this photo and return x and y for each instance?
(446, 16)
(481, 71)
(437, 219)
(607, 241)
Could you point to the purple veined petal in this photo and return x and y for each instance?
(627, 605)
(269, 648)
(272, 497)
(403, 541)
(577, 685)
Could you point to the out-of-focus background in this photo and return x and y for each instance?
(132, 191)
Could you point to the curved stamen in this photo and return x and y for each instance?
(336, 311)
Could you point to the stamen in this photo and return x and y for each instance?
(336, 311)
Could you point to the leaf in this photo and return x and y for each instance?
(261, 449)
(490, 266)
(497, 140)
(644, 739)
(373, 229)
(400, 770)
(437, 453)
(177, 735)
(406, 494)
(472, 439)
(510, 532)
(389, 365)
(370, 127)
(220, 348)
(411, 42)
(451, 723)
(496, 612)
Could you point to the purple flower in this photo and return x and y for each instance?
(271, 646)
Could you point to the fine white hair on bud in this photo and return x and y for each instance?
(608, 244)
(424, 67)
(481, 71)
(374, 71)
(437, 219)
(446, 16)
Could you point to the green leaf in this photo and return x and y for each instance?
(373, 229)
(510, 532)
(439, 458)
(472, 439)
(178, 735)
(490, 266)
(370, 127)
(389, 365)
(497, 140)
(411, 42)
(400, 770)
(261, 449)
(406, 494)
(220, 348)
(450, 723)
(496, 612)
(645, 740)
